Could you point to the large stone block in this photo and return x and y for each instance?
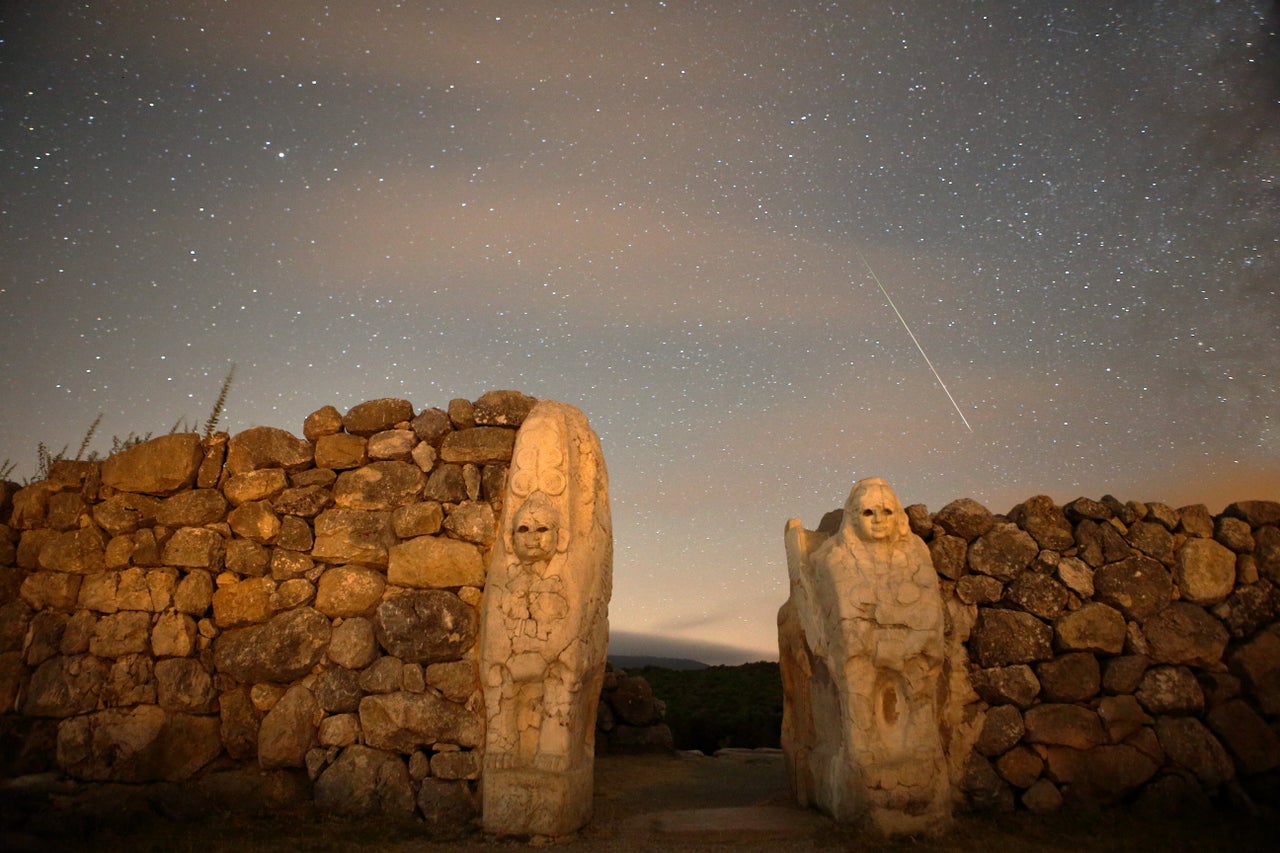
(194, 547)
(1045, 522)
(965, 518)
(1064, 725)
(1016, 685)
(479, 445)
(80, 552)
(1137, 586)
(350, 590)
(1095, 627)
(281, 650)
(194, 508)
(353, 536)
(1004, 637)
(354, 644)
(379, 486)
(1170, 690)
(404, 722)
(262, 484)
(432, 562)
(160, 466)
(289, 729)
(1073, 677)
(64, 686)
(246, 602)
(1257, 662)
(1255, 746)
(140, 744)
(426, 626)
(1002, 552)
(1183, 633)
(365, 782)
(377, 415)
(1189, 744)
(267, 447)
(1205, 571)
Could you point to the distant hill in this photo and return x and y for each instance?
(635, 645)
(638, 661)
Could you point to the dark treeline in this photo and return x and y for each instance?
(720, 706)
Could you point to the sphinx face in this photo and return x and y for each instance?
(535, 534)
(876, 515)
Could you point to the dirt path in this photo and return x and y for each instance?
(736, 801)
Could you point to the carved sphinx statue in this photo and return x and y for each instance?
(862, 653)
(545, 628)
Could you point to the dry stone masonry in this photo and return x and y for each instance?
(1122, 653)
(263, 613)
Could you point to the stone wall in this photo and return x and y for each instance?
(262, 606)
(1123, 652)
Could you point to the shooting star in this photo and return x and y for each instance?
(889, 299)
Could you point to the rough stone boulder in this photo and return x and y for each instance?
(1187, 743)
(64, 686)
(267, 447)
(1137, 586)
(1064, 725)
(426, 626)
(1205, 571)
(379, 485)
(289, 729)
(281, 650)
(965, 518)
(1001, 730)
(1094, 627)
(405, 722)
(139, 744)
(1037, 594)
(365, 419)
(1183, 633)
(349, 591)
(478, 445)
(1257, 663)
(160, 466)
(1073, 677)
(503, 408)
(432, 562)
(1046, 523)
(1255, 513)
(353, 536)
(1003, 637)
(1003, 552)
(1170, 690)
(365, 782)
(78, 551)
(1016, 685)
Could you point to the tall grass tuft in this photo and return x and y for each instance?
(211, 423)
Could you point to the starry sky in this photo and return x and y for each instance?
(671, 215)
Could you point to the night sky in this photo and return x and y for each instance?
(659, 212)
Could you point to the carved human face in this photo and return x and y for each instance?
(535, 534)
(876, 516)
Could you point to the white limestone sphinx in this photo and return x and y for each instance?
(544, 629)
(863, 653)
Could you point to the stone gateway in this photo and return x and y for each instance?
(862, 652)
(545, 628)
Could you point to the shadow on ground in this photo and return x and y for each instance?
(688, 802)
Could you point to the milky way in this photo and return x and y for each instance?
(656, 212)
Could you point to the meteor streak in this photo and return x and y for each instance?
(889, 299)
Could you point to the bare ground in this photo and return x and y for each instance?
(736, 801)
